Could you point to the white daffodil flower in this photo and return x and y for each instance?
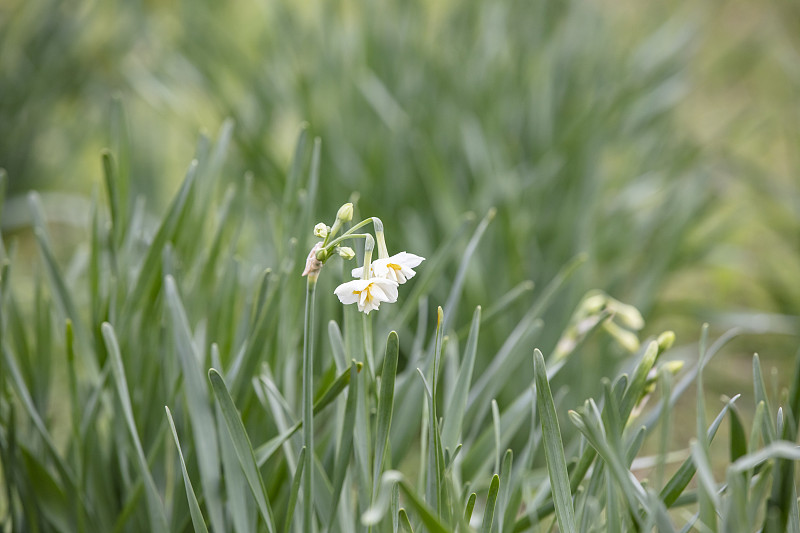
(397, 268)
(367, 293)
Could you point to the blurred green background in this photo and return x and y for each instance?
(661, 139)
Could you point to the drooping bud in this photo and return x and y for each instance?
(628, 315)
(313, 264)
(321, 230)
(377, 225)
(345, 252)
(627, 339)
(593, 303)
(369, 244)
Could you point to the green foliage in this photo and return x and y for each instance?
(106, 462)
(537, 155)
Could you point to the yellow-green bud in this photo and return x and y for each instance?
(628, 315)
(345, 252)
(673, 367)
(321, 230)
(345, 213)
(593, 302)
(665, 341)
(626, 338)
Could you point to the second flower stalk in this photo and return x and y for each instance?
(377, 280)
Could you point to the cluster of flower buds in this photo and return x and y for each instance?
(598, 309)
(377, 280)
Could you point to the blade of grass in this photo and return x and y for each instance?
(783, 501)
(504, 494)
(491, 500)
(241, 443)
(265, 451)
(554, 450)
(150, 269)
(295, 490)
(200, 414)
(385, 406)
(194, 508)
(680, 480)
(457, 404)
(240, 504)
(155, 508)
(470, 507)
(346, 443)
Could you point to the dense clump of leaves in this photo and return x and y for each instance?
(407, 435)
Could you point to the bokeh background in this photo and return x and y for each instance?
(661, 139)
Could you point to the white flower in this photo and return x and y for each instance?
(367, 293)
(397, 268)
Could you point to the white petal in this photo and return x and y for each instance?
(356, 272)
(407, 272)
(371, 305)
(406, 259)
(348, 292)
(389, 287)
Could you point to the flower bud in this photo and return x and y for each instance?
(628, 315)
(593, 303)
(313, 264)
(345, 252)
(321, 230)
(673, 367)
(345, 213)
(627, 339)
(665, 341)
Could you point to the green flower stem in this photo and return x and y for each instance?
(332, 233)
(376, 223)
(327, 249)
(308, 404)
(369, 245)
(383, 253)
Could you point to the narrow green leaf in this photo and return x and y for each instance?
(637, 384)
(782, 503)
(554, 450)
(346, 443)
(60, 290)
(155, 508)
(491, 500)
(295, 490)
(457, 404)
(337, 345)
(405, 523)
(385, 405)
(496, 426)
(111, 179)
(197, 402)
(760, 392)
(194, 508)
(240, 504)
(738, 440)
(470, 507)
(149, 273)
(429, 519)
(265, 451)
(27, 402)
(504, 494)
(241, 443)
(678, 482)
(706, 482)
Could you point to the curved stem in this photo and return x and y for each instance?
(344, 237)
(308, 405)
